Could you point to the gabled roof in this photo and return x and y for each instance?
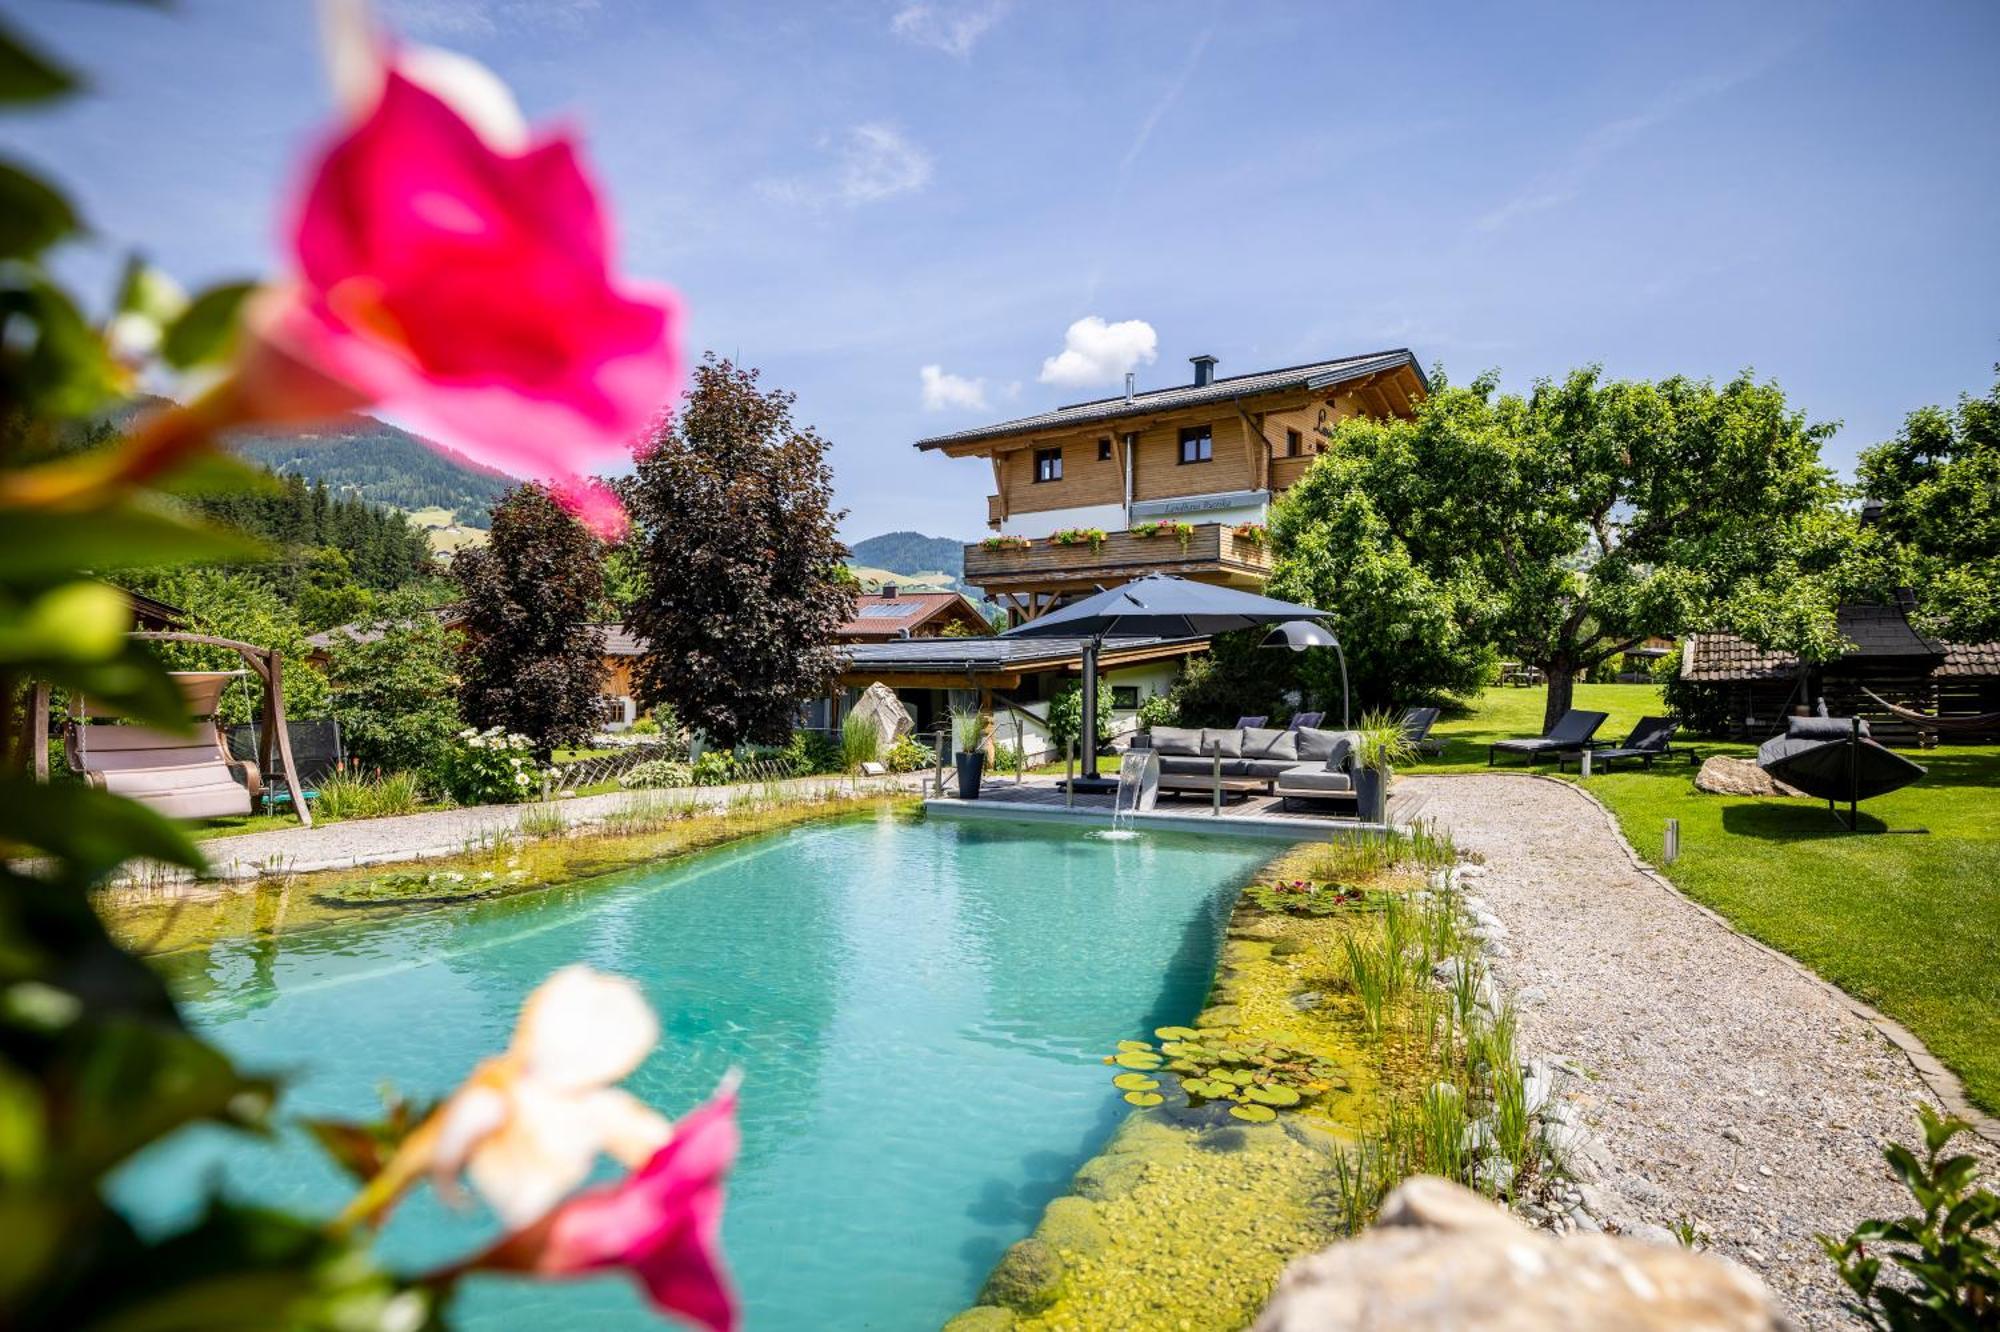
(878, 616)
(1312, 377)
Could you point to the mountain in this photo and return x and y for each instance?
(911, 553)
(373, 460)
(927, 580)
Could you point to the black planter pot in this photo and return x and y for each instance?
(969, 767)
(1371, 794)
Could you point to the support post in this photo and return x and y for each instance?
(275, 709)
(1670, 849)
(1089, 736)
(1020, 753)
(1069, 775)
(943, 739)
(38, 730)
(1215, 783)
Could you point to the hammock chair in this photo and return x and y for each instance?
(181, 776)
(1834, 758)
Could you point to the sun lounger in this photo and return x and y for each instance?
(1250, 723)
(1652, 738)
(1570, 733)
(1417, 723)
(1303, 720)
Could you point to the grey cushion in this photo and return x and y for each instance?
(1229, 741)
(1315, 744)
(1177, 739)
(1822, 728)
(1264, 743)
(1311, 777)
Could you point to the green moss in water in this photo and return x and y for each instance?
(982, 1318)
(1028, 1278)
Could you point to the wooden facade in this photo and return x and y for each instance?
(1211, 454)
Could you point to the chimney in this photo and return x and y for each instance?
(1130, 380)
(889, 591)
(1204, 370)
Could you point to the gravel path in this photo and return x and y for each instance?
(448, 832)
(1727, 1088)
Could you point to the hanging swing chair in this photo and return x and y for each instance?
(185, 777)
(1835, 759)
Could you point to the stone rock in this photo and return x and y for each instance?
(1072, 1225)
(1494, 948)
(982, 1318)
(1442, 1257)
(1530, 996)
(1722, 775)
(1471, 871)
(1306, 1000)
(880, 705)
(1026, 1278)
(1494, 1175)
(1648, 1233)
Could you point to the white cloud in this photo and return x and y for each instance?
(875, 162)
(1095, 352)
(952, 28)
(946, 392)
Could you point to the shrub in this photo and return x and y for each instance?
(716, 767)
(490, 767)
(1949, 1256)
(808, 752)
(346, 794)
(1066, 715)
(645, 726)
(1159, 710)
(1006, 758)
(396, 697)
(1700, 706)
(909, 754)
(860, 741)
(657, 772)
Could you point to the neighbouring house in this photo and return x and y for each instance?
(893, 613)
(152, 615)
(1177, 480)
(1749, 690)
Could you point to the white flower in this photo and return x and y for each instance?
(467, 733)
(485, 876)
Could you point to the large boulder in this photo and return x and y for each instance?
(880, 705)
(1442, 1257)
(1722, 775)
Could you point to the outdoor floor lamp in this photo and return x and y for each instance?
(1298, 635)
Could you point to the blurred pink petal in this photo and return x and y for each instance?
(595, 505)
(662, 1223)
(467, 292)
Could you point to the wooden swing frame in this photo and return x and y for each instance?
(265, 663)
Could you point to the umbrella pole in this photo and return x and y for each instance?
(1088, 740)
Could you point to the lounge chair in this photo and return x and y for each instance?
(1250, 723)
(1834, 758)
(1571, 732)
(1652, 738)
(1302, 720)
(1416, 724)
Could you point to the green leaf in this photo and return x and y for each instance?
(1144, 1098)
(134, 1081)
(1256, 1114)
(132, 534)
(1135, 1082)
(56, 361)
(134, 685)
(145, 290)
(1136, 1060)
(33, 215)
(79, 621)
(90, 832)
(206, 331)
(1176, 1033)
(26, 75)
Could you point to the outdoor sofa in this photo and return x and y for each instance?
(1571, 732)
(1306, 763)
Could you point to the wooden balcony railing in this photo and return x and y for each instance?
(1210, 547)
(1285, 471)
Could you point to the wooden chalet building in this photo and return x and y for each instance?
(881, 617)
(1177, 480)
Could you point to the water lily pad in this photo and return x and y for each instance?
(1272, 1095)
(1256, 1114)
(1135, 1082)
(1144, 1098)
(1206, 1088)
(1177, 1033)
(1135, 1059)
(1135, 1046)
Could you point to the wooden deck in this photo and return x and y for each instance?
(1042, 800)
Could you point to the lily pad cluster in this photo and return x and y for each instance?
(1303, 897)
(1256, 1077)
(405, 888)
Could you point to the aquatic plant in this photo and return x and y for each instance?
(419, 888)
(1256, 1077)
(657, 773)
(1303, 897)
(860, 741)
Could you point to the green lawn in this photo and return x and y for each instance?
(1907, 919)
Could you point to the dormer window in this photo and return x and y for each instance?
(1197, 445)
(1048, 465)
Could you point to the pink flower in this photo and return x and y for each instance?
(662, 1223)
(465, 288)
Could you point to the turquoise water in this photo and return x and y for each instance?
(919, 1009)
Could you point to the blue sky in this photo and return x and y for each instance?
(846, 193)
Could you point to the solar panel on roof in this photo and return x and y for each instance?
(889, 610)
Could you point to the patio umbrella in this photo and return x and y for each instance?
(1157, 606)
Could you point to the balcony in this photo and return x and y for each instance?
(1285, 471)
(1212, 552)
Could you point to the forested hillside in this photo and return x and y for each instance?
(368, 459)
(911, 553)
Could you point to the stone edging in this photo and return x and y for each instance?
(1943, 1083)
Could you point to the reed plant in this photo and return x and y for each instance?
(1367, 972)
(860, 741)
(348, 794)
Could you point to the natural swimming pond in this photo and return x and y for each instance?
(918, 1008)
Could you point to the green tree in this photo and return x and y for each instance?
(1409, 633)
(533, 660)
(1066, 714)
(231, 603)
(1591, 514)
(1938, 482)
(395, 687)
(743, 586)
